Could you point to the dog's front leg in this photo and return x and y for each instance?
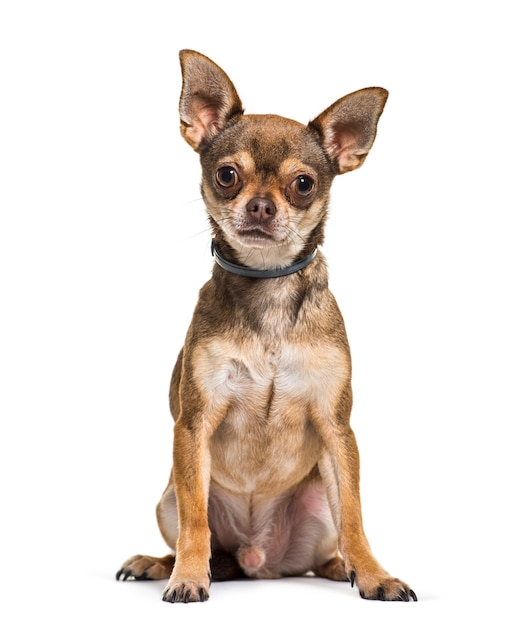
(340, 470)
(190, 579)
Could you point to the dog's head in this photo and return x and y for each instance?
(265, 178)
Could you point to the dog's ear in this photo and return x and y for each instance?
(348, 127)
(208, 98)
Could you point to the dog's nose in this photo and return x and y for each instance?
(261, 210)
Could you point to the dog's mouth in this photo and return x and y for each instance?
(255, 234)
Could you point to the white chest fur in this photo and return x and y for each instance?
(259, 402)
(246, 372)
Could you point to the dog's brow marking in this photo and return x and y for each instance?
(292, 167)
(240, 159)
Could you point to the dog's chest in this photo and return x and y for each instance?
(260, 375)
(259, 399)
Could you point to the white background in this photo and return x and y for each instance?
(104, 245)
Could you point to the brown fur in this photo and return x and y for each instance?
(265, 479)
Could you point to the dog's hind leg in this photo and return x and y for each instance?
(142, 567)
(225, 566)
(167, 516)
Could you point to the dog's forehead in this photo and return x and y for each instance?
(270, 139)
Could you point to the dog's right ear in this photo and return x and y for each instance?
(208, 99)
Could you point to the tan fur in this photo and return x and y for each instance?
(265, 479)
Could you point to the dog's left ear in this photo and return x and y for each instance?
(208, 98)
(348, 127)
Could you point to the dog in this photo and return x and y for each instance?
(265, 478)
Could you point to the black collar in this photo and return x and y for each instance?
(249, 272)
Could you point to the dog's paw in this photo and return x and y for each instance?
(385, 588)
(141, 567)
(188, 591)
(334, 569)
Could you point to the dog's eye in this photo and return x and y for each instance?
(227, 177)
(303, 185)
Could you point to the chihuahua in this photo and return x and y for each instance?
(265, 478)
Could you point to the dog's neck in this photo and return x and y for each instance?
(248, 272)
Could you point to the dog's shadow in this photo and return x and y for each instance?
(255, 588)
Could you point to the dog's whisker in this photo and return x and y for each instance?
(194, 201)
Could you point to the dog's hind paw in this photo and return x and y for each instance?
(334, 569)
(141, 567)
